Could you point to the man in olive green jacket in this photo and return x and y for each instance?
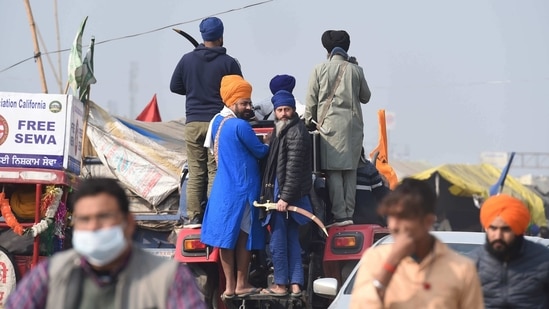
(336, 90)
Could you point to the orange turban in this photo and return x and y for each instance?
(511, 210)
(233, 88)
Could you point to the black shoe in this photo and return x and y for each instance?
(193, 223)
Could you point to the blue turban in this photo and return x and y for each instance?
(282, 82)
(283, 98)
(211, 28)
(534, 230)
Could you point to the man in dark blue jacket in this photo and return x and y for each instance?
(514, 271)
(198, 76)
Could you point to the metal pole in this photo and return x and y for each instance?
(37, 55)
(36, 244)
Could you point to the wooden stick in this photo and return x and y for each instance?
(56, 18)
(50, 62)
(85, 129)
(36, 47)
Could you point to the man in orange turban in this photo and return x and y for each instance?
(511, 211)
(231, 223)
(234, 88)
(514, 271)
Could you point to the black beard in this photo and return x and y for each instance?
(508, 252)
(246, 115)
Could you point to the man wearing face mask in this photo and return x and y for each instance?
(231, 223)
(104, 269)
(513, 270)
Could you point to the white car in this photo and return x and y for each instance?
(462, 242)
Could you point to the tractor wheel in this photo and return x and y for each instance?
(206, 276)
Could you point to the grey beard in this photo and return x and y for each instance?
(280, 125)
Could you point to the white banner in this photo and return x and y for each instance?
(36, 130)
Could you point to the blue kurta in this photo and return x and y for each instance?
(237, 183)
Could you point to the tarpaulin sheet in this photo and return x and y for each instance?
(150, 167)
(475, 180)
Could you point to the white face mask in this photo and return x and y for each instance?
(100, 247)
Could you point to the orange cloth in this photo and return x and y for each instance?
(382, 161)
(511, 210)
(233, 88)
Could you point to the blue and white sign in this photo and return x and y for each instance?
(41, 131)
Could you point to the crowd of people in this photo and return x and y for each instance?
(105, 270)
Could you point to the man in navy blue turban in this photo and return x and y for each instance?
(198, 77)
(287, 181)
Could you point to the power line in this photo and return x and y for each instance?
(460, 84)
(140, 33)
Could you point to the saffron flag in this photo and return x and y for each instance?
(382, 159)
(497, 188)
(150, 113)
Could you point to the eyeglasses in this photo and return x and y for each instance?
(246, 104)
(102, 219)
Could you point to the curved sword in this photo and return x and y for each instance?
(301, 211)
(187, 36)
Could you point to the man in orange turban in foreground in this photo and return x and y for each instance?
(514, 271)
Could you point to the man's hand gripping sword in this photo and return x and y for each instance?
(301, 211)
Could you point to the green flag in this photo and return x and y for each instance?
(86, 73)
(75, 59)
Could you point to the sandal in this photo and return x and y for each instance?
(269, 291)
(296, 294)
(253, 291)
(227, 296)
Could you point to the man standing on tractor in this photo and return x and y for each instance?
(370, 191)
(417, 270)
(230, 221)
(337, 88)
(198, 76)
(287, 181)
(104, 269)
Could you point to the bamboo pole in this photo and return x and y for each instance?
(50, 62)
(60, 72)
(36, 47)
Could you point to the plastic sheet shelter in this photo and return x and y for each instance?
(457, 184)
(146, 157)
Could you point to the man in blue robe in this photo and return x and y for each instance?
(230, 221)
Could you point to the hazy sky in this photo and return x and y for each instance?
(462, 77)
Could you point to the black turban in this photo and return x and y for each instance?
(336, 38)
